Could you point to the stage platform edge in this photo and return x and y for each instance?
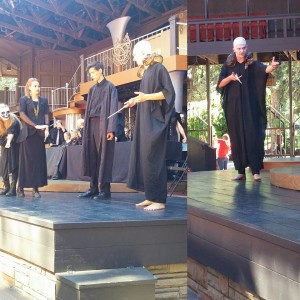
(246, 231)
(61, 233)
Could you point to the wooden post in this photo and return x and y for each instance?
(173, 36)
(82, 69)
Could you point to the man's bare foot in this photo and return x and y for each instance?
(144, 203)
(155, 206)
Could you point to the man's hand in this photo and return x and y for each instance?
(273, 66)
(7, 145)
(110, 136)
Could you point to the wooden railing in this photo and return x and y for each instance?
(57, 97)
(254, 27)
(166, 40)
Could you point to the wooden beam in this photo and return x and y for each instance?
(65, 14)
(146, 9)
(99, 7)
(125, 10)
(37, 35)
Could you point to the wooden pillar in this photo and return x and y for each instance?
(292, 125)
(208, 101)
(173, 36)
(82, 68)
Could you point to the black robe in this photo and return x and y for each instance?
(105, 93)
(9, 162)
(147, 167)
(32, 156)
(245, 113)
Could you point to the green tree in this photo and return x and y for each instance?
(9, 82)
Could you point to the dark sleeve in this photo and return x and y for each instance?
(167, 87)
(223, 75)
(112, 122)
(23, 107)
(14, 128)
(51, 136)
(260, 77)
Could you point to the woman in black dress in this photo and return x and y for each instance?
(34, 114)
(9, 161)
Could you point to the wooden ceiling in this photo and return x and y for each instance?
(76, 24)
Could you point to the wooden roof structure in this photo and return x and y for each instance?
(76, 24)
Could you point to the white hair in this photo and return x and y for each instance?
(143, 47)
(239, 41)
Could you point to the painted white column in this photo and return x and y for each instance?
(177, 78)
(71, 120)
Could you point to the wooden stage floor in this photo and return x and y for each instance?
(249, 231)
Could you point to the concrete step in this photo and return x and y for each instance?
(134, 283)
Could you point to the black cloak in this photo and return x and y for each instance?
(147, 167)
(245, 113)
(9, 161)
(107, 94)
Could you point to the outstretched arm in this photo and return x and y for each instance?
(141, 97)
(273, 66)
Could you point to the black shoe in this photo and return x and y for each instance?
(102, 196)
(20, 192)
(55, 178)
(11, 193)
(88, 194)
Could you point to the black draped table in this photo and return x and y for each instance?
(68, 160)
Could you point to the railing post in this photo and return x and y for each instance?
(173, 36)
(82, 69)
(67, 95)
(6, 95)
(52, 99)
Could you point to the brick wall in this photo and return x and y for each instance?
(171, 281)
(31, 279)
(208, 284)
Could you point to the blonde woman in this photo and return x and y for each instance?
(9, 161)
(34, 114)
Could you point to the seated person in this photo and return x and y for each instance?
(60, 168)
(79, 126)
(127, 134)
(75, 140)
(56, 134)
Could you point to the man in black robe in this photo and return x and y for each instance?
(242, 82)
(147, 167)
(99, 134)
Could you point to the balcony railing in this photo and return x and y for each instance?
(59, 97)
(254, 27)
(157, 39)
(107, 58)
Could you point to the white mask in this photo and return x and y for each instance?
(5, 113)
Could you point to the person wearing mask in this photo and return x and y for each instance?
(9, 162)
(242, 83)
(155, 104)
